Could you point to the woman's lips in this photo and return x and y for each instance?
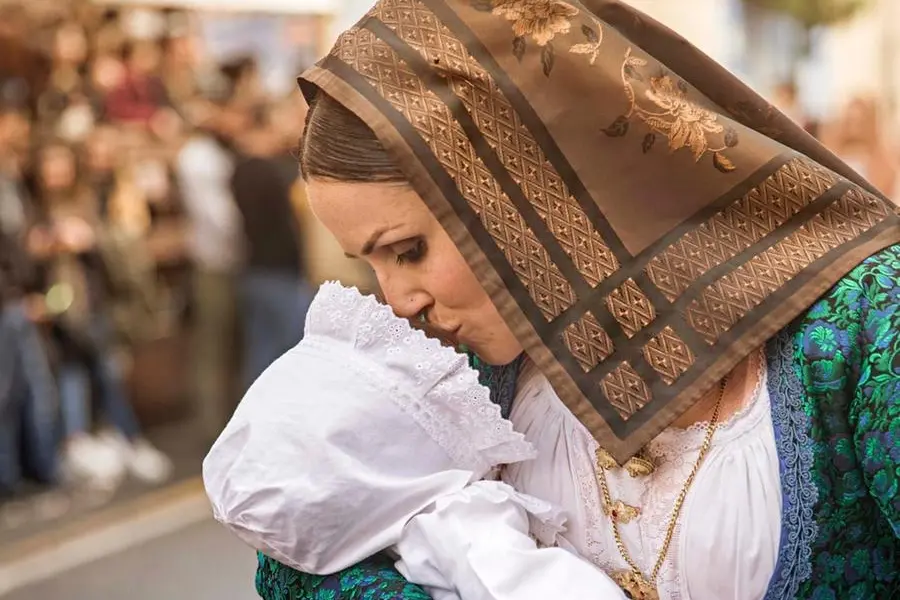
(451, 335)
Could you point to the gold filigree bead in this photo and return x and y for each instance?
(622, 513)
(605, 460)
(636, 586)
(638, 466)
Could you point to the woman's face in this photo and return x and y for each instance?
(418, 267)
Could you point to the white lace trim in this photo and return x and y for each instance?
(597, 547)
(432, 383)
(675, 451)
(673, 441)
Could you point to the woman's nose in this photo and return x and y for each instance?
(406, 303)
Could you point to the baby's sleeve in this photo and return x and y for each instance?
(475, 544)
(321, 478)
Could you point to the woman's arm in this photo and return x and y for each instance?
(875, 410)
(372, 579)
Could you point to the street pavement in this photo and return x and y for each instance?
(200, 562)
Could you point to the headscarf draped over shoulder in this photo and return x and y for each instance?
(641, 219)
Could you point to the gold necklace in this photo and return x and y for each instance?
(633, 581)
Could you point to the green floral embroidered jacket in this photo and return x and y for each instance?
(834, 378)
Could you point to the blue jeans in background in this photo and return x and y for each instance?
(273, 309)
(29, 424)
(93, 373)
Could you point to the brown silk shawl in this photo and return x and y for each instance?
(642, 220)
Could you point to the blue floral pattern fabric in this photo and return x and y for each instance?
(373, 579)
(846, 352)
(835, 377)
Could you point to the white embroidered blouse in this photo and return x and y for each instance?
(726, 542)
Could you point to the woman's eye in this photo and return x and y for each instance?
(412, 253)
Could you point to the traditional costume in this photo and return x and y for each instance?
(644, 222)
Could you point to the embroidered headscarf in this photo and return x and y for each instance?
(641, 219)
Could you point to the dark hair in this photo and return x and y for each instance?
(338, 145)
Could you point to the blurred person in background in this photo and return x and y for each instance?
(244, 80)
(19, 59)
(204, 168)
(65, 239)
(857, 137)
(106, 72)
(124, 210)
(65, 80)
(28, 396)
(101, 156)
(141, 93)
(273, 292)
(786, 98)
(322, 257)
(179, 60)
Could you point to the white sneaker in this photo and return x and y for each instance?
(87, 460)
(148, 464)
(141, 459)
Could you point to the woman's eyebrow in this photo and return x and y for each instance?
(371, 242)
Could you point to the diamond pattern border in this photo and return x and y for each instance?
(731, 297)
(588, 342)
(394, 81)
(501, 125)
(625, 390)
(631, 307)
(746, 221)
(669, 355)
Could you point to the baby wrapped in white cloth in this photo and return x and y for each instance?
(368, 436)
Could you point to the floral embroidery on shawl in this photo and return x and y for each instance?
(683, 122)
(542, 20)
(591, 47)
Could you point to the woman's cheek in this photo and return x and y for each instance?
(455, 286)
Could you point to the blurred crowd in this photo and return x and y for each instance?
(141, 191)
(860, 134)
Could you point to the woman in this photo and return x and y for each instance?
(718, 317)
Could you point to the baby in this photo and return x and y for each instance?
(369, 436)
